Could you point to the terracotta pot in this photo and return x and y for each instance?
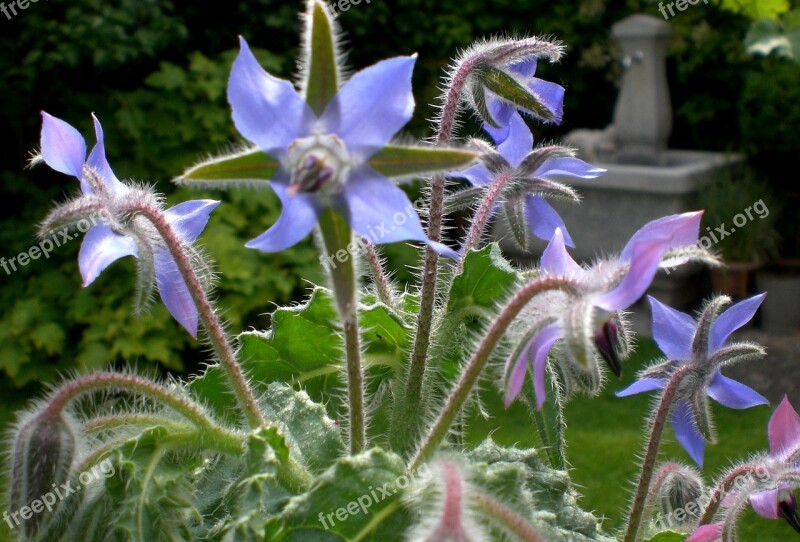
(780, 311)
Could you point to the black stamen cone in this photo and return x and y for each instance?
(606, 342)
(787, 509)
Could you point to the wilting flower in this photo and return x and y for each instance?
(784, 447)
(588, 320)
(703, 345)
(324, 159)
(114, 233)
(530, 172)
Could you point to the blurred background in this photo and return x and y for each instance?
(155, 74)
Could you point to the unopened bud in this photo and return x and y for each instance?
(680, 493)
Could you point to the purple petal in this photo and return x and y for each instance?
(266, 110)
(100, 248)
(501, 113)
(673, 330)
(765, 503)
(671, 231)
(526, 67)
(556, 260)
(174, 292)
(645, 259)
(97, 161)
(540, 347)
(784, 429)
(191, 217)
(687, 433)
(516, 375)
(63, 147)
(642, 386)
(732, 319)
(372, 106)
(477, 175)
(733, 394)
(568, 167)
(298, 218)
(543, 220)
(519, 141)
(551, 95)
(381, 212)
(706, 533)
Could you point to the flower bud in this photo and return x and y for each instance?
(44, 447)
(680, 494)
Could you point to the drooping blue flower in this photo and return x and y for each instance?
(704, 345)
(324, 159)
(588, 318)
(109, 239)
(516, 149)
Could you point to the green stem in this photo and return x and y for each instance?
(337, 237)
(651, 452)
(478, 362)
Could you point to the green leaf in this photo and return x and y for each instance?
(479, 100)
(251, 165)
(509, 89)
(364, 491)
(397, 161)
(757, 9)
(667, 536)
(485, 281)
(322, 77)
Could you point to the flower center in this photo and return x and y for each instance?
(318, 164)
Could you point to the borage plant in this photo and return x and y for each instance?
(346, 420)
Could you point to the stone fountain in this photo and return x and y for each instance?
(645, 179)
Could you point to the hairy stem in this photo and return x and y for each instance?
(430, 270)
(722, 488)
(336, 236)
(507, 518)
(482, 215)
(458, 396)
(651, 452)
(116, 421)
(382, 283)
(219, 340)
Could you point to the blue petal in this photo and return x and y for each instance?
(687, 433)
(97, 161)
(671, 231)
(551, 95)
(642, 386)
(540, 348)
(672, 330)
(477, 175)
(525, 67)
(543, 220)
(645, 259)
(372, 106)
(733, 394)
(568, 167)
(63, 147)
(266, 110)
(732, 319)
(556, 260)
(381, 212)
(518, 143)
(501, 113)
(100, 248)
(191, 217)
(174, 292)
(298, 218)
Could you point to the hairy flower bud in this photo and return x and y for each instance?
(680, 494)
(43, 450)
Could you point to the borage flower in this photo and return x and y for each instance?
(702, 345)
(116, 233)
(324, 160)
(589, 319)
(529, 173)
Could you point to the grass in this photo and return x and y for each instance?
(605, 439)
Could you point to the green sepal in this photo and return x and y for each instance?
(322, 73)
(244, 167)
(400, 161)
(507, 88)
